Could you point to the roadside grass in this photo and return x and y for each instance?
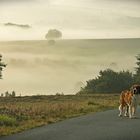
(7, 120)
(22, 113)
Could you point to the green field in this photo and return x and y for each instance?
(23, 113)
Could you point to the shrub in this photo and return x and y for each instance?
(7, 121)
(92, 103)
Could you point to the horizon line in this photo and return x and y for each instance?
(70, 39)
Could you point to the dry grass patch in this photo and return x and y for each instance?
(22, 113)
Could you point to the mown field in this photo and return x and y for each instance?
(21, 113)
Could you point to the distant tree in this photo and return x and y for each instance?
(7, 94)
(137, 75)
(13, 94)
(2, 94)
(59, 94)
(109, 81)
(53, 34)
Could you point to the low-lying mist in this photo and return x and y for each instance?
(35, 67)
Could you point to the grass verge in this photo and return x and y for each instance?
(23, 113)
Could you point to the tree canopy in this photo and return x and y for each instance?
(1, 66)
(53, 34)
(137, 75)
(109, 81)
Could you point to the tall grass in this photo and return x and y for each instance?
(29, 112)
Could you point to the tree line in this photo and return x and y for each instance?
(109, 81)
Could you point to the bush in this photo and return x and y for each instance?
(7, 121)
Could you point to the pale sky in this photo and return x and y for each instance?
(75, 18)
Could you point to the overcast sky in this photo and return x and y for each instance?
(75, 18)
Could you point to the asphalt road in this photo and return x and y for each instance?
(100, 126)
